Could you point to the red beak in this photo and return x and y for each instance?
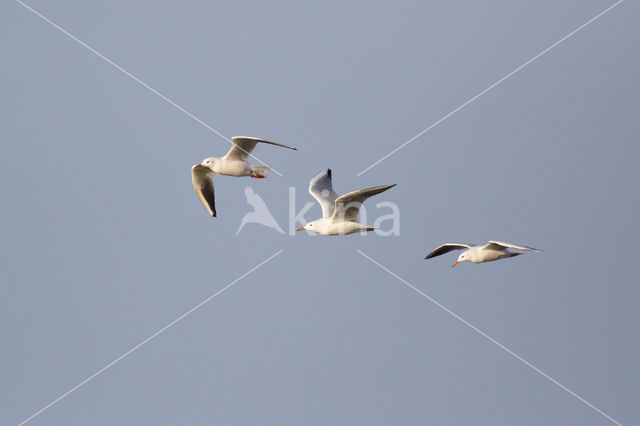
(455, 264)
(198, 165)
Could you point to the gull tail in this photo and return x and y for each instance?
(259, 172)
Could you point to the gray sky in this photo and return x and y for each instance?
(104, 241)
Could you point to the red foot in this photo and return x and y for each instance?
(257, 176)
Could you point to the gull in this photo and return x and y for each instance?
(233, 164)
(260, 213)
(489, 252)
(339, 214)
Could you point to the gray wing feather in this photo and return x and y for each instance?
(321, 188)
(446, 248)
(203, 184)
(501, 246)
(242, 146)
(348, 206)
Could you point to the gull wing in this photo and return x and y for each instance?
(242, 146)
(321, 189)
(498, 245)
(347, 206)
(202, 178)
(446, 248)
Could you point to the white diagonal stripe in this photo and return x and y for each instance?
(491, 87)
(136, 347)
(133, 77)
(491, 339)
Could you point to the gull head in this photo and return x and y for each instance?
(207, 162)
(464, 257)
(311, 226)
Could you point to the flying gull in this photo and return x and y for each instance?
(339, 214)
(489, 252)
(235, 163)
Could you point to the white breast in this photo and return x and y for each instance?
(485, 255)
(342, 228)
(233, 168)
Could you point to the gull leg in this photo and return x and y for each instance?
(259, 172)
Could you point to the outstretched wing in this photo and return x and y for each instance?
(446, 248)
(347, 206)
(321, 189)
(498, 245)
(202, 178)
(242, 146)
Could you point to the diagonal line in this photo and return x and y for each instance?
(500, 345)
(136, 347)
(492, 86)
(136, 79)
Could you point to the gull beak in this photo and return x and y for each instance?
(197, 165)
(455, 264)
(301, 229)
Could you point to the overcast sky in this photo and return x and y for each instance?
(104, 241)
